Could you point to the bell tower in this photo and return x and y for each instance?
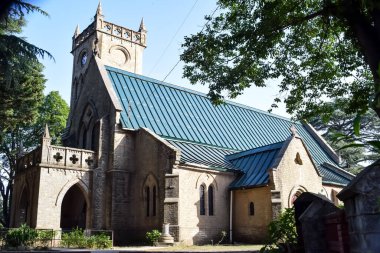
(113, 45)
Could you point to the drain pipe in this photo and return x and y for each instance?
(231, 196)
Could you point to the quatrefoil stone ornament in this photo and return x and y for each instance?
(58, 157)
(74, 159)
(89, 161)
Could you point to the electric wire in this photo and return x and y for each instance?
(172, 39)
(163, 80)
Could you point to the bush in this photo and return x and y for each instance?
(45, 238)
(77, 239)
(282, 233)
(74, 239)
(22, 236)
(153, 236)
(102, 241)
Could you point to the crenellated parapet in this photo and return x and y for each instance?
(57, 157)
(115, 31)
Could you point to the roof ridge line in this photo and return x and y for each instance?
(169, 138)
(256, 150)
(199, 93)
(337, 169)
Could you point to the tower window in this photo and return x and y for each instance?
(251, 209)
(210, 200)
(202, 208)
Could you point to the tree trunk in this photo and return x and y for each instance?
(366, 31)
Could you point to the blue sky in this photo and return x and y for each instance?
(162, 18)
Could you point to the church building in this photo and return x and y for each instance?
(139, 153)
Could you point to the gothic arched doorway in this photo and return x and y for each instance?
(73, 209)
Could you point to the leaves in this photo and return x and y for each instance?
(312, 47)
(341, 131)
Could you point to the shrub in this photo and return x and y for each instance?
(282, 233)
(74, 239)
(153, 236)
(77, 239)
(45, 238)
(22, 236)
(102, 241)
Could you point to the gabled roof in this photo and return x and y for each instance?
(255, 164)
(189, 119)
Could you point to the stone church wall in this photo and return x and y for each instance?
(142, 160)
(247, 226)
(201, 229)
(54, 183)
(295, 173)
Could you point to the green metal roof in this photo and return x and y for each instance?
(210, 156)
(185, 115)
(255, 164)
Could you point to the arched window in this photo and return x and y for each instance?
(251, 209)
(154, 200)
(147, 193)
(210, 200)
(202, 209)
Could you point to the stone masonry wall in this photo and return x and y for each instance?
(293, 174)
(54, 183)
(193, 227)
(146, 162)
(247, 227)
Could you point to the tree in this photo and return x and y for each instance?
(18, 59)
(339, 132)
(24, 137)
(319, 49)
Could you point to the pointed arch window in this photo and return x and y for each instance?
(154, 200)
(147, 193)
(210, 200)
(202, 207)
(251, 209)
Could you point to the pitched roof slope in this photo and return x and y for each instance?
(255, 164)
(183, 115)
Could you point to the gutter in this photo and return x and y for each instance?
(231, 201)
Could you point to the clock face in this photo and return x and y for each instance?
(83, 60)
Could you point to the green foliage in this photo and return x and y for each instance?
(282, 233)
(26, 135)
(354, 140)
(74, 239)
(77, 239)
(44, 238)
(253, 42)
(153, 236)
(22, 236)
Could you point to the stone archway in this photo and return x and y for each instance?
(74, 209)
(295, 193)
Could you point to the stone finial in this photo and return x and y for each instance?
(293, 129)
(46, 132)
(99, 10)
(142, 26)
(77, 31)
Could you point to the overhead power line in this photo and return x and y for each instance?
(172, 39)
(212, 14)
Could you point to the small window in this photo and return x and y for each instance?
(154, 200)
(251, 209)
(147, 193)
(210, 200)
(202, 208)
